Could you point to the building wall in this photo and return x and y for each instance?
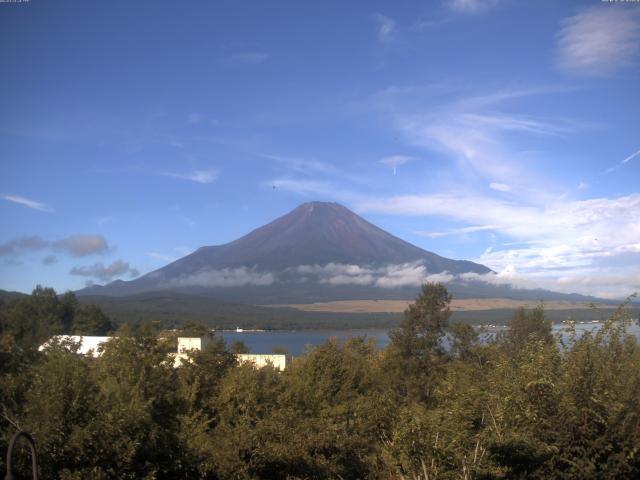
(90, 345)
(192, 343)
(277, 361)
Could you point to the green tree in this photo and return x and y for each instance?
(529, 326)
(34, 319)
(68, 307)
(61, 408)
(199, 382)
(416, 345)
(91, 320)
(138, 406)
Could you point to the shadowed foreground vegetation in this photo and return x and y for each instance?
(524, 406)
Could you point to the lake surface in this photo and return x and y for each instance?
(296, 341)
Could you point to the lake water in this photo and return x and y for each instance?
(296, 341)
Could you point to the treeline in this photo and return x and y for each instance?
(523, 406)
(31, 320)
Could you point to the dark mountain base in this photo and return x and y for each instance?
(173, 309)
(310, 292)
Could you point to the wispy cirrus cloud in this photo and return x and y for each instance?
(500, 187)
(394, 161)
(470, 6)
(28, 202)
(599, 40)
(311, 188)
(248, 58)
(161, 256)
(622, 163)
(198, 176)
(459, 231)
(181, 251)
(386, 28)
(480, 136)
(184, 250)
(300, 164)
(195, 118)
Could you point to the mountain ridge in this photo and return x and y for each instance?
(313, 235)
(321, 233)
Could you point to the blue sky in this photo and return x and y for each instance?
(504, 132)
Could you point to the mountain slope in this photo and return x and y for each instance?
(317, 233)
(310, 239)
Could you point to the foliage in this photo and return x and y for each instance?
(416, 349)
(31, 320)
(436, 403)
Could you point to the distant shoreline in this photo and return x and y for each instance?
(457, 305)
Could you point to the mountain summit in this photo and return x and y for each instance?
(307, 239)
(318, 233)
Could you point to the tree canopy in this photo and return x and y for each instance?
(436, 403)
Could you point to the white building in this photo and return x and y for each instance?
(279, 362)
(186, 345)
(90, 345)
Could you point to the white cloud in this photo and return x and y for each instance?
(520, 220)
(547, 236)
(631, 157)
(199, 176)
(394, 161)
(623, 162)
(386, 28)
(105, 273)
(27, 202)
(184, 250)
(500, 187)
(302, 165)
(160, 256)
(470, 6)
(102, 221)
(188, 221)
(599, 40)
(479, 140)
(233, 277)
(18, 245)
(560, 240)
(601, 282)
(82, 245)
(74, 245)
(583, 185)
(459, 231)
(387, 276)
(195, 118)
(249, 58)
(310, 188)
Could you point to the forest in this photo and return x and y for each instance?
(525, 405)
